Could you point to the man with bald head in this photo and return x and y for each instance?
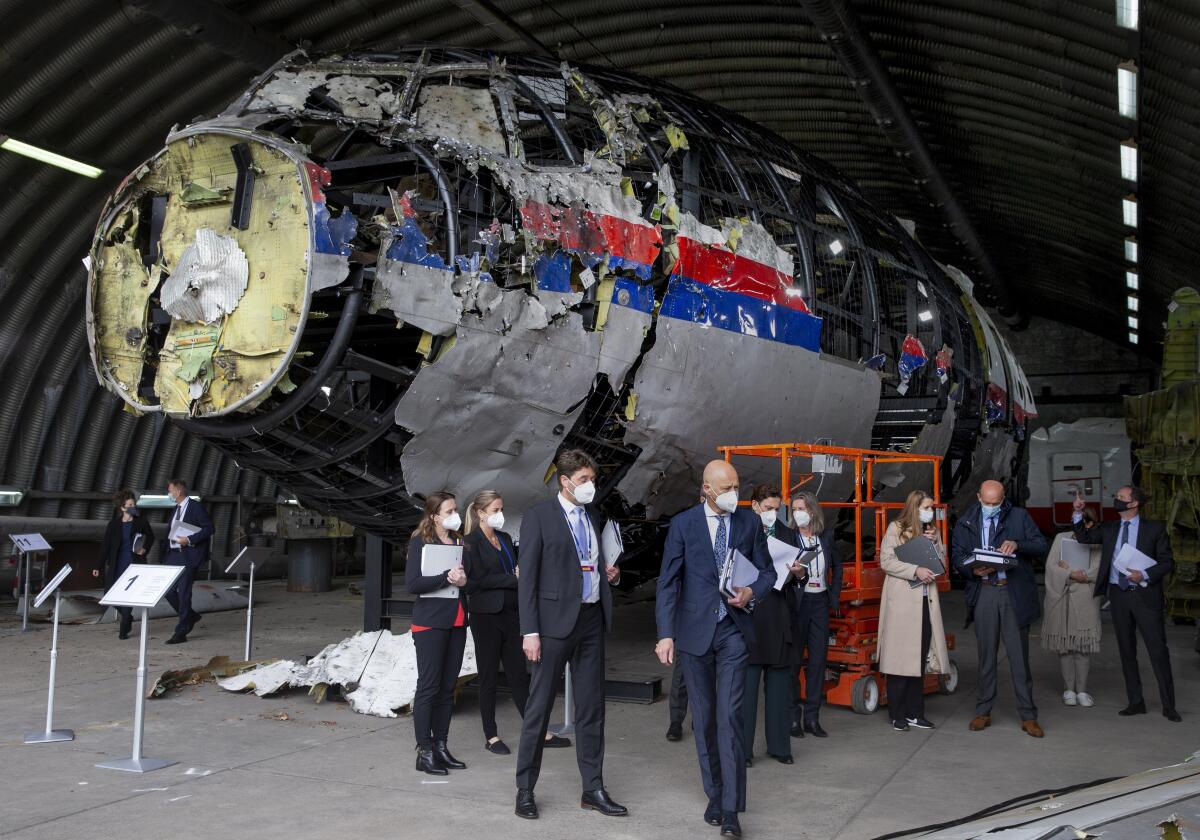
(709, 631)
(1003, 602)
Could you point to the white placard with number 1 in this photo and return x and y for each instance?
(141, 586)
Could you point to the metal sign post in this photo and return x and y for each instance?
(246, 561)
(50, 735)
(568, 724)
(140, 586)
(27, 544)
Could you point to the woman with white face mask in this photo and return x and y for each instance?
(490, 559)
(911, 637)
(439, 631)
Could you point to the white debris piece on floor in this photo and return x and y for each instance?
(377, 672)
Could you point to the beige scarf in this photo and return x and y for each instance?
(1071, 615)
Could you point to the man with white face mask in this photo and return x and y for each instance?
(711, 631)
(565, 608)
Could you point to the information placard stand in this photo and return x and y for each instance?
(50, 734)
(27, 544)
(141, 587)
(246, 561)
(568, 724)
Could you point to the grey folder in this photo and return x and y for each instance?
(920, 551)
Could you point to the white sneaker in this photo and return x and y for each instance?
(1069, 697)
(1085, 699)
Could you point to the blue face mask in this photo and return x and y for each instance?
(989, 510)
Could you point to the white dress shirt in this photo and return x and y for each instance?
(177, 516)
(712, 518)
(573, 511)
(816, 566)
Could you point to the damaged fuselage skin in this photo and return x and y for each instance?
(379, 275)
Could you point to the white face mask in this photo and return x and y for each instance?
(926, 515)
(727, 501)
(801, 518)
(768, 517)
(496, 521)
(452, 521)
(584, 493)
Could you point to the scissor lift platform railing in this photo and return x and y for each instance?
(851, 677)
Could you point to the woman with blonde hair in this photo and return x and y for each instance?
(439, 632)
(912, 639)
(1071, 614)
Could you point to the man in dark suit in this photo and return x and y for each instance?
(189, 551)
(566, 608)
(711, 631)
(1135, 600)
(1003, 603)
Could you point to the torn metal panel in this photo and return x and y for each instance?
(699, 388)
(288, 89)
(377, 672)
(209, 280)
(466, 114)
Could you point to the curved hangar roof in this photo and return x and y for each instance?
(1011, 109)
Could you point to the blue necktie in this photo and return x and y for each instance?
(1123, 580)
(720, 552)
(583, 545)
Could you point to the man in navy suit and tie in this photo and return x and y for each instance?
(189, 551)
(711, 631)
(1135, 600)
(566, 608)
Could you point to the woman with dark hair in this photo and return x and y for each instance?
(772, 658)
(911, 637)
(127, 539)
(439, 631)
(817, 592)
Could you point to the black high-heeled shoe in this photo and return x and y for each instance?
(427, 762)
(442, 754)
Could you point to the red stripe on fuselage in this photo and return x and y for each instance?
(592, 233)
(723, 269)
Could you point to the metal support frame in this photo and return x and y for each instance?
(568, 725)
(50, 734)
(249, 613)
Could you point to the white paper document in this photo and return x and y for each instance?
(782, 557)
(179, 528)
(611, 544)
(436, 559)
(1077, 555)
(738, 572)
(1129, 559)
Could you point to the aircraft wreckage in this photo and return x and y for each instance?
(378, 275)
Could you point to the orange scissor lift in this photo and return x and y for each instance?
(851, 678)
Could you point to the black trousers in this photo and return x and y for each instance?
(180, 596)
(716, 682)
(677, 699)
(498, 640)
(813, 633)
(439, 659)
(777, 705)
(906, 695)
(1131, 615)
(584, 649)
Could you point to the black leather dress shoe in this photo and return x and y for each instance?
(784, 759)
(712, 814)
(599, 800)
(177, 639)
(497, 747)
(813, 728)
(749, 761)
(556, 742)
(675, 732)
(797, 730)
(1172, 715)
(526, 807)
(126, 626)
(1133, 709)
(427, 763)
(442, 754)
(730, 827)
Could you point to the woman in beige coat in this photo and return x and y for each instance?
(911, 636)
(1071, 615)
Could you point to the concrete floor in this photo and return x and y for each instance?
(326, 771)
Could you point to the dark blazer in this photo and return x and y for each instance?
(833, 568)
(773, 619)
(1152, 540)
(110, 548)
(487, 580)
(1014, 524)
(687, 600)
(430, 612)
(550, 587)
(195, 553)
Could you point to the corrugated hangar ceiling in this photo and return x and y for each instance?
(1008, 109)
